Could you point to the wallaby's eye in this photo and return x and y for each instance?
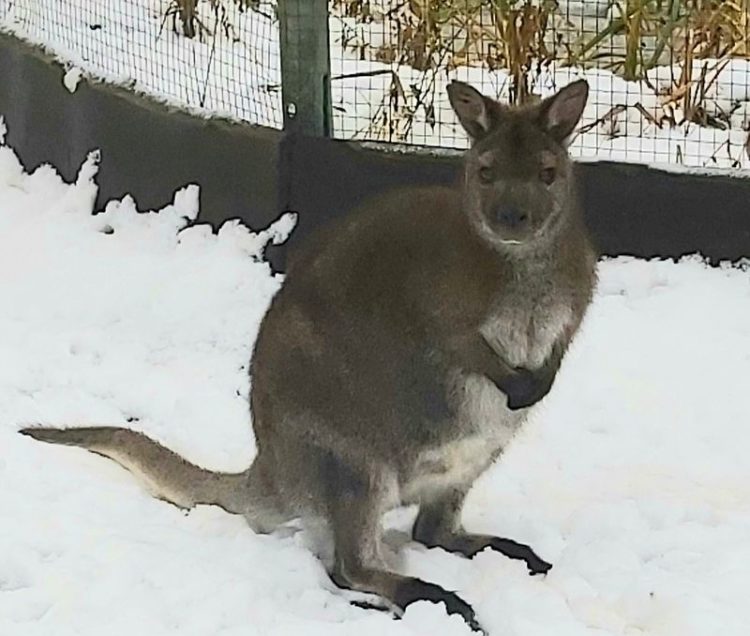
(548, 175)
(486, 174)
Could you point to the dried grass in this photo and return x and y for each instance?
(523, 36)
(186, 16)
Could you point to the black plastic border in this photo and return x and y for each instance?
(255, 174)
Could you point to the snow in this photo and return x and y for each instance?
(238, 76)
(632, 478)
(72, 78)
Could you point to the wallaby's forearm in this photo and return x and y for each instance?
(524, 387)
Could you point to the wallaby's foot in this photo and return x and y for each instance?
(514, 550)
(370, 605)
(403, 591)
(471, 544)
(436, 525)
(410, 590)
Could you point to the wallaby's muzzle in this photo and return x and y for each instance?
(511, 217)
(515, 223)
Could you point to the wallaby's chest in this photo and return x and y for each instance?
(524, 322)
(522, 327)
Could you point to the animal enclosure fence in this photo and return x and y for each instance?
(670, 79)
(226, 63)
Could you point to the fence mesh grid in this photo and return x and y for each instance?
(230, 65)
(670, 79)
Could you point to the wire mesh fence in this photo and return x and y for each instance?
(670, 79)
(214, 57)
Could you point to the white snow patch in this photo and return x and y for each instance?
(632, 478)
(71, 78)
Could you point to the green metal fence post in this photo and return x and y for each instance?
(305, 66)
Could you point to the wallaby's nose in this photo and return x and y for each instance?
(510, 216)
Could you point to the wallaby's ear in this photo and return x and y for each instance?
(559, 114)
(474, 110)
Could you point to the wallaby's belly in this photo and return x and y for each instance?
(487, 426)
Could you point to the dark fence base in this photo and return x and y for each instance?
(630, 209)
(255, 174)
(148, 150)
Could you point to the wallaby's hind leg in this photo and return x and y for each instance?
(354, 516)
(264, 512)
(438, 525)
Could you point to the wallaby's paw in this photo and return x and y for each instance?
(525, 388)
(413, 590)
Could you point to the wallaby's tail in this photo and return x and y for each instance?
(167, 475)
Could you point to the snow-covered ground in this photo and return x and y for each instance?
(632, 478)
(239, 76)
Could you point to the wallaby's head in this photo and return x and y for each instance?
(518, 176)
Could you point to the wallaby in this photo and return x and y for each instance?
(403, 351)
